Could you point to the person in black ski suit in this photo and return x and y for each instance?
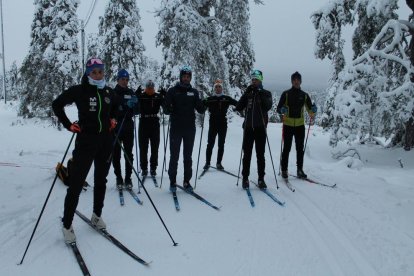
(291, 105)
(125, 129)
(256, 102)
(180, 102)
(149, 126)
(96, 104)
(217, 105)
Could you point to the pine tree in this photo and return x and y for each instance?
(13, 86)
(236, 41)
(52, 62)
(189, 36)
(122, 47)
(375, 95)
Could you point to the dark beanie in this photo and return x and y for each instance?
(122, 74)
(296, 75)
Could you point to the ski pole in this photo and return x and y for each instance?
(268, 144)
(281, 142)
(165, 151)
(307, 135)
(47, 198)
(241, 150)
(199, 150)
(146, 192)
(136, 149)
(163, 129)
(116, 138)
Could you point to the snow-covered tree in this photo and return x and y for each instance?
(375, 96)
(330, 20)
(52, 62)
(122, 46)
(235, 40)
(13, 85)
(189, 36)
(372, 16)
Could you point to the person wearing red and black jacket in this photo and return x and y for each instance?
(257, 102)
(180, 103)
(96, 106)
(291, 105)
(127, 108)
(217, 105)
(149, 104)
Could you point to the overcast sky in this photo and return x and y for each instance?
(282, 33)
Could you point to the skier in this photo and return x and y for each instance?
(291, 105)
(149, 126)
(257, 102)
(126, 111)
(96, 104)
(180, 102)
(217, 105)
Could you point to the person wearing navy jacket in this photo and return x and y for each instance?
(127, 108)
(96, 106)
(181, 101)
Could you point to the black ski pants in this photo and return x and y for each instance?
(89, 148)
(149, 133)
(256, 136)
(213, 131)
(187, 136)
(288, 133)
(126, 137)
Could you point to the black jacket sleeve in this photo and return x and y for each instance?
(242, 103)
(168, 102)
(266, 99)
(281, 103)
(199, 106)
(58, 106)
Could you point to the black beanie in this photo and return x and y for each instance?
(296, 75)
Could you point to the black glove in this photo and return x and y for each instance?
(162, 91)
(138, 91)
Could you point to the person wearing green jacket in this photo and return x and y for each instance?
(291, 105)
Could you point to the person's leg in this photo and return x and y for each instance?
(83, 155)
(128, 144)
(143, 145)
(116, 159)
(155, 144)
(248, 141)
(260, 143)
(287, 144)
(299, 134)
(175, 144)
(212, 132)
(101, 172)
(188, 145)
(222, 132)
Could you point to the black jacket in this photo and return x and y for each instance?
(218, 106)
(180, 103)
(149, 105)
(257, 102)
(96, 107)
(123, 95)
(294, 100)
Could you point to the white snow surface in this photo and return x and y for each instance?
(362, 227)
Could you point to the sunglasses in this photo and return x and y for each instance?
(94, 61)
(124, 79)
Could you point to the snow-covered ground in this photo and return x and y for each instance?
(362, 227)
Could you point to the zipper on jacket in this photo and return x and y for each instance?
(99, 110)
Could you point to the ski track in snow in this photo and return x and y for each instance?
(340, 247)
(362, 227)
